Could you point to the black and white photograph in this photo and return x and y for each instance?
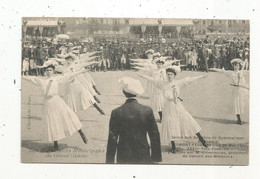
(135, 90)
(123, 89)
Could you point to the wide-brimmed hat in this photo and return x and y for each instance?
(174, 69)
(151, 51)
(236, 60)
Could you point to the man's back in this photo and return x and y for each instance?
(130, 123)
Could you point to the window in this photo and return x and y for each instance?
(204, 22)
(220, 21)
(243, 21)
(234, 21)
(212, 22)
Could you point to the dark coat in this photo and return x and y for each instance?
(128, 129)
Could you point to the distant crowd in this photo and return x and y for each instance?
(197, 54)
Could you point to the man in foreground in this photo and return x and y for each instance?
(128, 129)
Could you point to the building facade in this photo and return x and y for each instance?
(213, 26)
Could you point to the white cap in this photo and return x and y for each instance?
(131, 85)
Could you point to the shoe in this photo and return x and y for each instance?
(173, 151)
(204, 144)
(55, 147)
(85, 140)
(239, 122)
(102, 112)
(83, 137)
(96, 99)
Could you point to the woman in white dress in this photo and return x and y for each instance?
(92, 82)
(149, 54)
(194, 57)
(156, 97)
(177, 122)
(61, 119)
(78, 97)
(240, 89)
(25, 66)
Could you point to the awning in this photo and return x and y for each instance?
(143, 21)
(177, 22)
(155, 22)
(45, 23)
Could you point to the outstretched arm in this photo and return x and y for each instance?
(188, 80)
(69, 76)
(157, 83)
(142, 69)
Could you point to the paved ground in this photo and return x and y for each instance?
(208, 100)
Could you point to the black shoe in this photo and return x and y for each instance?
(85, 140)
(102, 112)
(56, 146)
(95, 88)
(239, 122)
(173, 150)
(96, 99)
(204, 143)
(83, 136)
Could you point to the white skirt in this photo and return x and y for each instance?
(89, 78)
(86, 84)
(177, 123)
(240, 96)
(77, 97)
(156, 99)
(61, 120)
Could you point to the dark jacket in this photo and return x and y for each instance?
(128, 129)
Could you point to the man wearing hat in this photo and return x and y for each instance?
(130, 123)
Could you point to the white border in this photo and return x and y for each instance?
(11, 13)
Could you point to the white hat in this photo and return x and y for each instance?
(236, 60)
(76, 51)
(175, 68)
(160, 60)
(150, 51)
(70, 44)
(131, 85)
(157, 54)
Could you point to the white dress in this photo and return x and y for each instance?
(149, 84)
(177, 122)
(77, 96)
(25, 65)
(89, 77)
(239, 94)
(156, 97)
(61, 120)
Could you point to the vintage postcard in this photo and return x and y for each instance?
(135, 90)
